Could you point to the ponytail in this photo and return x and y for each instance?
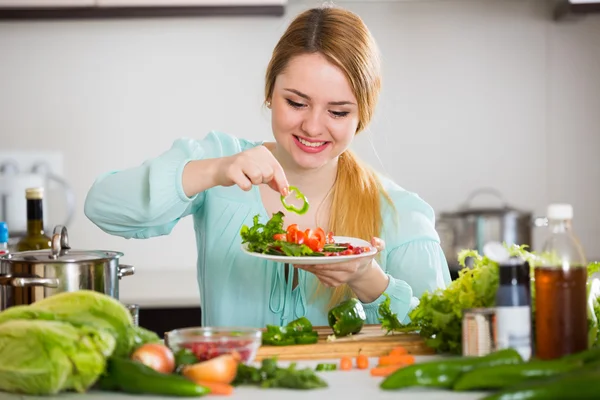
(355, 208)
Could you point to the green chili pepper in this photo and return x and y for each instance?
(299, 195)
(326, 367)
(123, 374)
(579, 384)
(347, 318)
(506, 375)
(443, 374)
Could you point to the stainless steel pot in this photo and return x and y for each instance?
(471, 227)
(29, 276)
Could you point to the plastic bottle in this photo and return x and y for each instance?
(561, 313)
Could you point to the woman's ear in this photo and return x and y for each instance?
(268, 103)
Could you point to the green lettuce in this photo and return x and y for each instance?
(86, 308)
(39, 357)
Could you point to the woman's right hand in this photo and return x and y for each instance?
(252, 167)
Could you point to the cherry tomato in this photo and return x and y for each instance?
(319, 234)
(280, 236)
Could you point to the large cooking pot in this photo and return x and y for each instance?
(472, 227)
(29, 276)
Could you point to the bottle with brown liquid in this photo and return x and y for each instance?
(35, 238)
(561, 317)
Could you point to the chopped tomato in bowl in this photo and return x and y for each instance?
(210, 342)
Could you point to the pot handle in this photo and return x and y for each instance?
(7, 280)
(125, 270)
(487, 190)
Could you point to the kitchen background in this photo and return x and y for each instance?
(481, 93)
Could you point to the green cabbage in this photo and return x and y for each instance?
(62, 342)
(45, 357)
(86, 308)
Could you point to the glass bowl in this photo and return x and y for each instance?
(209, 342)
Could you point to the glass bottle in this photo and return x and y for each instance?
(3, 238)
(561, 317)
(513, 307)
(35, 238)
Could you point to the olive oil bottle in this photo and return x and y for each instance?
(35, 238)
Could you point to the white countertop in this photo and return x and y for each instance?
(354, 384)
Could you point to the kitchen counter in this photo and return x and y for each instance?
(355, 384)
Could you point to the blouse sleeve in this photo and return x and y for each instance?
(414, 263)
(148, 200)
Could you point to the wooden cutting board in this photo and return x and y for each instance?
(371, 341)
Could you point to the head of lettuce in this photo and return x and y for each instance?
(61, 343)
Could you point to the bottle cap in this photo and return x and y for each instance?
(3, 232)
(560, 211)
(36, 193)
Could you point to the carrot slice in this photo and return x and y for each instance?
(217, 388)
(396, 359)
(398, 351)
(385, 370)
(345, 364)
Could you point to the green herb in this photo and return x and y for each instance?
(300, 196)
(269, 375)
(260, 236)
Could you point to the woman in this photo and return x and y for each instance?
(322, 85)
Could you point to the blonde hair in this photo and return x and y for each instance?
(342, 37)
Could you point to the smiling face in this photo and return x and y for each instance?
(314, 111)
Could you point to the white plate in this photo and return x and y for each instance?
(308, 260)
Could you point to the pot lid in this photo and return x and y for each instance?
(61, 251)
(467, 209)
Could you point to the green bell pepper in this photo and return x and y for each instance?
(299, 195)
(299, 331)
(347, 318)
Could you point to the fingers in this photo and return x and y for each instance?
(378, 243)
(254, 173)
(279, 179)
(258, 166)
(239, 178)
(347, 267)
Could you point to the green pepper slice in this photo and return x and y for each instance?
(307, 338)
(347, 318)
(299, 195)
(326, 367)
(299, 325)
(277, 336)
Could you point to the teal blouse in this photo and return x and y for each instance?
(238, 289)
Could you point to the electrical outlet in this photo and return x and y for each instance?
(25, 161)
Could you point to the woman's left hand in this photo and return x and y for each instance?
(333, 275)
